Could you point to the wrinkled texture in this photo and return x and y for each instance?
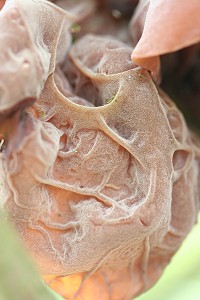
(31, 54)
(101, 175)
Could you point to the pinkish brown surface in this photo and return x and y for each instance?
(99, 172)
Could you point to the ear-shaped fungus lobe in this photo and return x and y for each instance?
(104, 195)
(32, 57)
(162, 27)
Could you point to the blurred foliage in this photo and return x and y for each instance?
(18, 278)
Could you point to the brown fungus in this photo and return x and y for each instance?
(102, 176)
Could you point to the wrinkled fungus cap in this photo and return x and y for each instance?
(100, 174)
